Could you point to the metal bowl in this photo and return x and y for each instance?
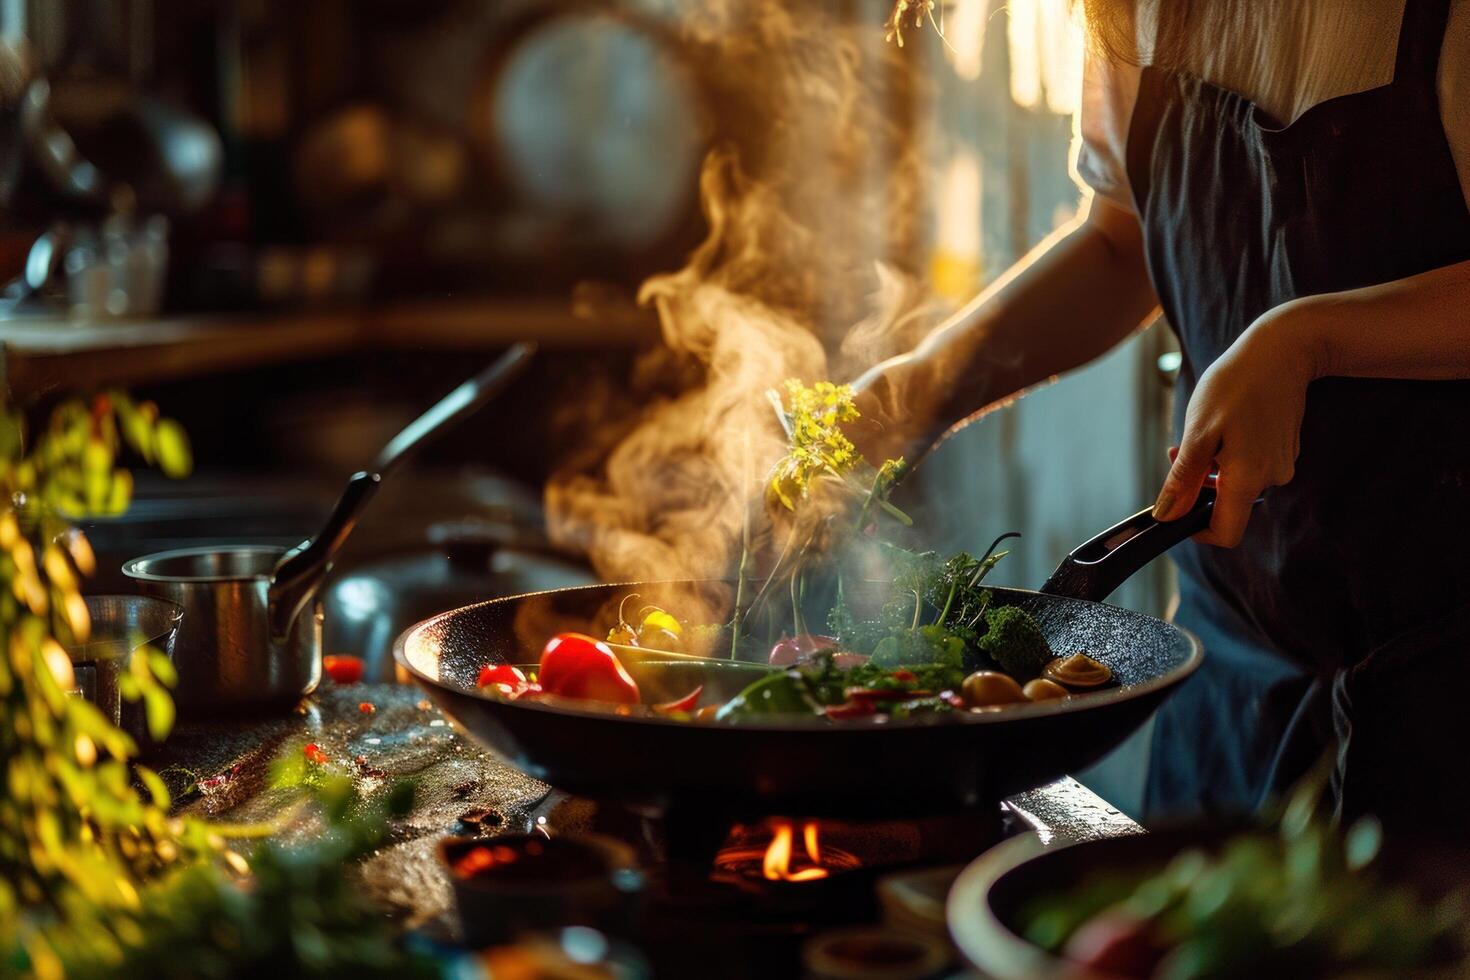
(224, 653)
(121, 624)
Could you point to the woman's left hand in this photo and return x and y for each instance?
(1245, 419)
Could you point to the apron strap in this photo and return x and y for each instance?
(1421, 39)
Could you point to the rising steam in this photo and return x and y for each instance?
(811, 200)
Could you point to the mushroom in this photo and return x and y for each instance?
(1042, 689)
(991, 688)
(1077, 672)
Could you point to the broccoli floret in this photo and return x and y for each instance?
(1013, 640)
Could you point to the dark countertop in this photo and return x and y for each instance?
(405, 737)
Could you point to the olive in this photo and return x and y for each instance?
(1042, 689)
(986, 688)
(1078, 672)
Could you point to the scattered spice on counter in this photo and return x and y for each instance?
(480, 818)
(465, 788)
(343, 668)
(219, 780)
(315, 754)
(367, 707)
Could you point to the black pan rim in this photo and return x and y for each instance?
(1010, 715)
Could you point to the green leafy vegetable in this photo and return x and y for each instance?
(927, 646)
(785, 693)
(1015, 641)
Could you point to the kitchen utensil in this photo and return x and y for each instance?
(225, 655)
(904, 768)
(299, 574)
(121, 624)
(252, 627)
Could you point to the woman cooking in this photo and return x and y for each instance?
(1288, 181)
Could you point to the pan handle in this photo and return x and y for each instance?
(1097, 567)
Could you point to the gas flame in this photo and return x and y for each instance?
(776, 865)
(808, 270)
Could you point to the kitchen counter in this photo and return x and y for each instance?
(403, 736)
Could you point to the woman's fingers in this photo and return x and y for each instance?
(1235, 496)
(1192, 464)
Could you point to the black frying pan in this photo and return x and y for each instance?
(907, 768)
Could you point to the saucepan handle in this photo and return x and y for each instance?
(1097, 567)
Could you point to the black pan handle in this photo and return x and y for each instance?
(1094, 569)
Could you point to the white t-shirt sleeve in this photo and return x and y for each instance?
(1108, 94)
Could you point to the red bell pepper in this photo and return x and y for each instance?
(574, 665)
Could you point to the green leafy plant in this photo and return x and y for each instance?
(75, 832)
(96, 877)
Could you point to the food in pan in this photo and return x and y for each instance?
(904, 633)
(1303, 899)
(902, 671)
(1079, 672)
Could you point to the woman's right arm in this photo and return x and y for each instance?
(1074, 297)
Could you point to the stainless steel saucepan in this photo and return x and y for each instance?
(251, 634)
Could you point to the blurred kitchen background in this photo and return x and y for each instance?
(295, 225)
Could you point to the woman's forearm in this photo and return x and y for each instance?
(1416, 328)
(1073, 298)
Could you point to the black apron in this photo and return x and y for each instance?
(1343, 618)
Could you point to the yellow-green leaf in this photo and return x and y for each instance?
(163, 667)
(174, 455)
(120, 492)
(159, 708)
(155, 786)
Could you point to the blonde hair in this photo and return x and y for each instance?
(1112, 27)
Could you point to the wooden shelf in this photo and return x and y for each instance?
(42, 354)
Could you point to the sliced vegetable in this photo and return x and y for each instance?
(507, 680)
(685, 704)
(500, 674)
(574, 665)
(851, 709)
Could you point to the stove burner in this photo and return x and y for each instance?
(711, 906)
(779, 859)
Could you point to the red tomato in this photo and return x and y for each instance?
(343, 668)
(574, 665)
(1116, 943)
(500, 674)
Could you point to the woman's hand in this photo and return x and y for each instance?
(1245, 418)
